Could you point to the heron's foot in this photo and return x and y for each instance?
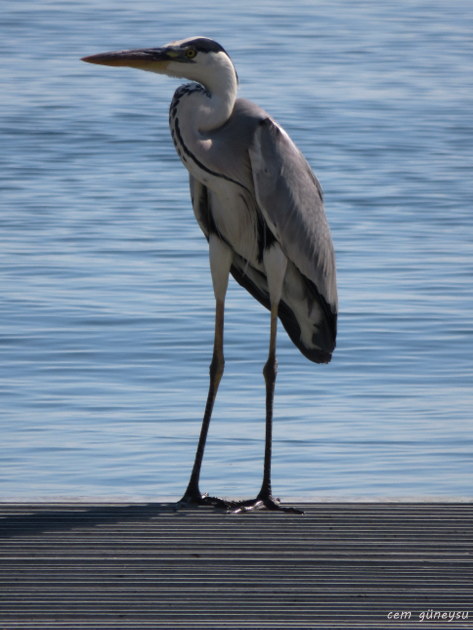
(262, 503)
(194, 499)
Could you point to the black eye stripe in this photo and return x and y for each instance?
(201, 44)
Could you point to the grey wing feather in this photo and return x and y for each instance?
(199, 197)
(202, 208)
(290, 199)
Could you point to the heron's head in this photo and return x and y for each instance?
(196, 58)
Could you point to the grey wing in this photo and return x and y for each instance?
(200, 204)
(290, 200)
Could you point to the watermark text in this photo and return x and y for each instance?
(428, 615)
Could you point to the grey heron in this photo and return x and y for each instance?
(261, 210)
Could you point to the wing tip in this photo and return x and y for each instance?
(319, 356)
(323, 341)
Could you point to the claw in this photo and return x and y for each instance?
(196, 499)
(262, 503)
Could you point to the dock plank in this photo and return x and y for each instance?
(132, 566)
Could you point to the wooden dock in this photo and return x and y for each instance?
(132, 566)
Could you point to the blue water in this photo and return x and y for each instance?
(106, 307)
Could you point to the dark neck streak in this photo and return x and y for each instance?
(177, 136)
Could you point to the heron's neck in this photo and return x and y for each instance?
(214, 106)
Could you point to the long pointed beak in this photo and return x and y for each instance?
(154, 59)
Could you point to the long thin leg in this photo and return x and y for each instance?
(193, 493)
(269, 371)
(264, 499)
(275, 263)
(220, 263)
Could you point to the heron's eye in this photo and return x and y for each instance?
(191, 53)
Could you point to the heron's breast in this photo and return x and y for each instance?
(224, 172)
(234, 219)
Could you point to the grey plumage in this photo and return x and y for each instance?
(260, 207)
(275, 184)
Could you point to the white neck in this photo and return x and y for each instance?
(216, 106)
(212, 109)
